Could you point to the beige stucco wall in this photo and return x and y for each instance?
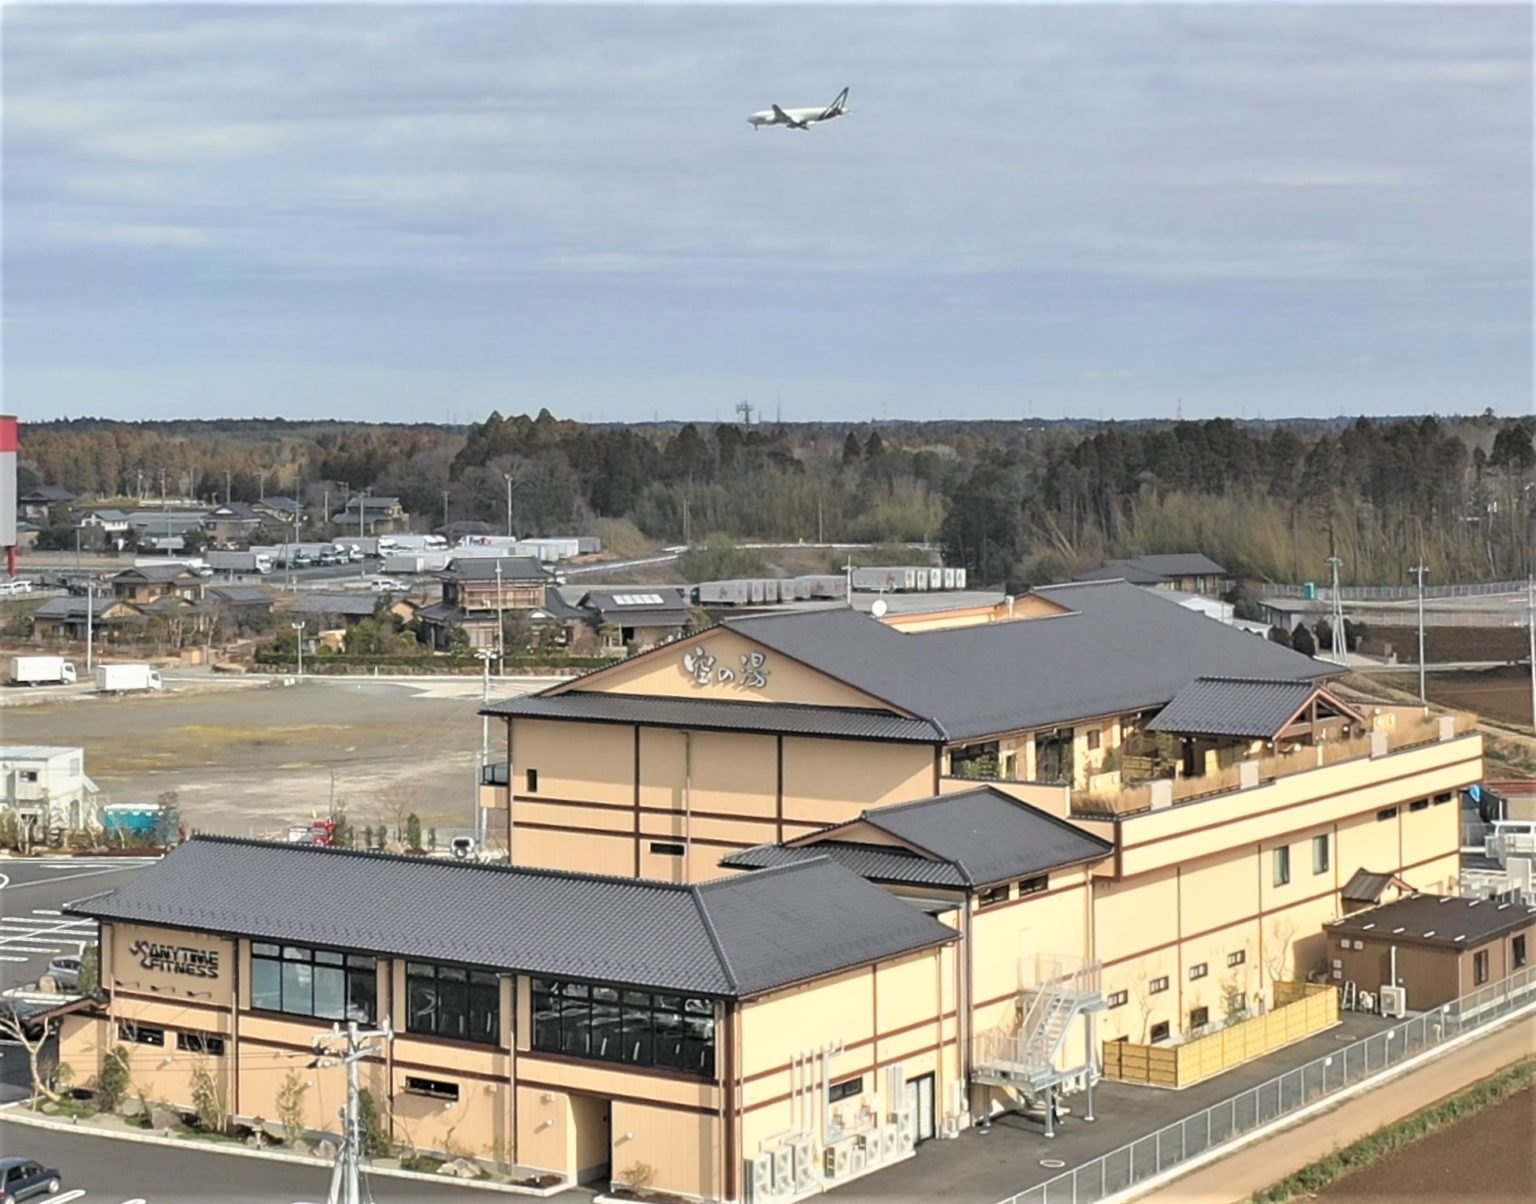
(200, 966)
(830, 781)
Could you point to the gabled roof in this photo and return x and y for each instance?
(875, 862)
(277, 502)
(369, 502)
(703, 714)
(74, 606)
(730, 938)
(1116, 648)
(1258, 708)
(648, 606)
(1365, 887)
(47, 493)
(483, 568)
(156, 572)
(1445, 921)
(240, 595)
(1151, 569)
(105, 514)
(239, 511)
(984, 835)
(348, 604)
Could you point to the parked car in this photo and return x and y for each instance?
(65, 971)
(19, 586)
(383, 585)
(21, 1179)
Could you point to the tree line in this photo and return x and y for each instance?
(1015, 502)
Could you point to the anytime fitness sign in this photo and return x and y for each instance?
(176, 959)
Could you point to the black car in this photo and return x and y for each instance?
(21, 1179)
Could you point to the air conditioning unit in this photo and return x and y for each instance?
(890, 1142)
(805, 1164)
(858, 1160)
(784, 1171)
(906, 1122)
(762, 1177)
(1367, 1002)
(835, 1161)
(1394, 1002)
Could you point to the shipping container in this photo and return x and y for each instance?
(959, 578)
(949, 578)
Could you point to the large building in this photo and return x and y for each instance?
(46, 787)
(797, 892)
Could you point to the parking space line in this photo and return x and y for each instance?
(45, 911)
(3, 958)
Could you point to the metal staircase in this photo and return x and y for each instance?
(1029, 1057)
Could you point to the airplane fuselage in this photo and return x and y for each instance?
(799, 119)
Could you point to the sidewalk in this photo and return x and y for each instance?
(1256, 1167)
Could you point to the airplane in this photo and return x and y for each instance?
(800, 119)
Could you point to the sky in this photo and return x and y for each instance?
(413, 212)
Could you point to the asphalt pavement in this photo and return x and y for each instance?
(33, 894)
(106, 1170)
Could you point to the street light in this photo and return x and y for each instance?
(299, 643)
(507, 477)
(485, 656)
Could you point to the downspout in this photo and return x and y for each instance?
(234, 1031)
(687, 806)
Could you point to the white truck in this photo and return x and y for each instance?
(240, 562)
(41, 671)
(125, 679)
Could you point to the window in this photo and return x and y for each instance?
(1282, 859)
(453, 1002)
(667, 849)
(1199, 970)
(1238, 958)
(1053, 756)
(1419, 804)
(1033, 886)
(845, 1090)
(1199, 1017)
(1157, 984)
(992, 895)
(29, 775)
(1118, 999)
(1095, 738)
(1160, 1031)
(1480, 967)
(1320, 854)
(533, 781)
(201, 1043)
(636, 1028)
(1385, 814)
(1238, 1004)
(1442, 798)
(313, 982)
(435, 1088)
(140, 1034)
(1517, 951)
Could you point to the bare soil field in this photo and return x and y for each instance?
(252, 760)
(1489, 1157)
(1501, 694)
(1449, 645)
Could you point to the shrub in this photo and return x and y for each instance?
(638, 1176)
(375, 1127)
(208, 1102)
(114, 1082)
(290, 1106)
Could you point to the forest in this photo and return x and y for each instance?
(1016, 502)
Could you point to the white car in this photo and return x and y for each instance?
(383, 585)
(65, 971)
(19, 586)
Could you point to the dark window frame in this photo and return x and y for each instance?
(358, 974)
(1159, 1032)
(1158, 985)
(453, 1003)
(1237, 959)
(1280, 857)
(1419, 804)
(1321, 864)
(847, 1089)
(994, 895)
(1199, 1017)
(1117, 999)
(140, 1034)
(1199, 970)
(530, 781)
(665, 848)
(599, 1022)
(431, 1088)
(1480, 961)
(209, 1044)
(1034, 886)
(1385, 814)
(1517, 953)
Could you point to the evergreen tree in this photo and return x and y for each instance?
(1302, 641)
(853, 451)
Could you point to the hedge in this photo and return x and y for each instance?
(345, 662)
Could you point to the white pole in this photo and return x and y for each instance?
(1418, 571)
(501, 638)
(299, 644)
(507, 476)
(90, 614)
(1531, 609)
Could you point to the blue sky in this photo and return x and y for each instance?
(426, 211)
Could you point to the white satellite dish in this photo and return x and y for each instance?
(879, 608)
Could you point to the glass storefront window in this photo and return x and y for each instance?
(635, 1028)
(313, 982)
(453, 1002)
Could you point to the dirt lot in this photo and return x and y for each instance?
(1448, 645)
(1502, 694)
(251, 760)
(1490, 1158)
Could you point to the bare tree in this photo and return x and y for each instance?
(31, 1036)
(1277, 950)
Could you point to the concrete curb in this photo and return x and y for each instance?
(1307, 1112)
(8, 1114)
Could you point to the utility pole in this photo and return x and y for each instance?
(1336, 615)
(90, 614)
(848, 582)
(821, 530)
(501, 627)
(445, 512)
(485, 741)
(228, 495)
(507, 476)
(299, 643)
(347, 1176)
(1418, 572)
(261, 486)
(1530, 609)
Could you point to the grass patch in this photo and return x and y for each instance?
(1373, 1147)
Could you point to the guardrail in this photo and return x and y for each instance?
(1122, 1169)
(1397, 593)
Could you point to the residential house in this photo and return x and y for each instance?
(479, 591)
(636, 618)
(164, 530)
(237, 524)
(376, 515)
(26, 534)
(1189, 572)
(240, 604)
(340, 609)
(38, 503)
(144, 584)
(285, 510)
(104, 528)
(46, 785)
(65, 618)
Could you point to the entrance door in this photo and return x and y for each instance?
(920, 1101)
(593, 1120)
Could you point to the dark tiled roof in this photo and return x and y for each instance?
(240, 595)
(236, 511)
(709, 715)
(1447, 921)
(1121, 570)
(483, 568)
(1118, 648)
(1235, 706)
(47, 493)
(155, 572)
(350, 605)
(877, 863)
(733, 937)
(1365, 887)
(1160, 566)
(73, 606)
(639, 607)
(445, 612)
(286, 504)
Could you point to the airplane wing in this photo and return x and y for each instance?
(785, 117)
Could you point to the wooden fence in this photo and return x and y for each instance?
(1301, 1010)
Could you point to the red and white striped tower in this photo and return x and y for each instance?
(8, 427)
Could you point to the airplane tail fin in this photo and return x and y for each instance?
(840, 103)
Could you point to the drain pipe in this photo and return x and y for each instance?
(687, 804)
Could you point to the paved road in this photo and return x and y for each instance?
(103, 1170)
(1256, 1167)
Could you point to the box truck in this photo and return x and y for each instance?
(240, 562)
(41, 671)
(124, 679)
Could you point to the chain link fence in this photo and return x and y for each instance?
(1396, 593)
(1151, 1155)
